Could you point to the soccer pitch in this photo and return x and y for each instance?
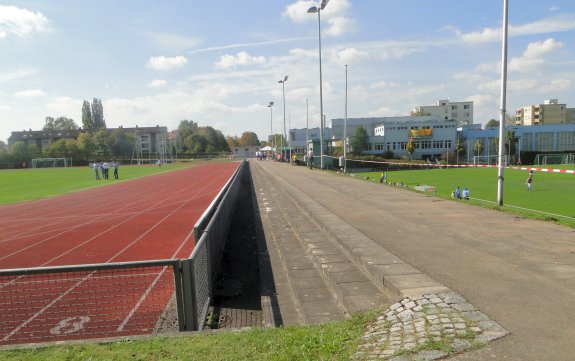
(552, 196)
(31, 184)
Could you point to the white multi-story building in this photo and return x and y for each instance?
(461, 112)
(432, 137)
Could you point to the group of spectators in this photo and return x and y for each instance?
(460, 194)
(103, 168)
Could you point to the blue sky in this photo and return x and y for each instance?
(218, 62)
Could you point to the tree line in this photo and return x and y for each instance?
(95, 141)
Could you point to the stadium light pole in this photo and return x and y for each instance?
(283, 82)
(306, 128)
(503, 105)
(313, 10)
(270, 105)
(345, 128)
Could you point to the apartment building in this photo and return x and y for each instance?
(549, 113)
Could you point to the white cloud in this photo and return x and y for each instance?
(340, 25)
(157, 83)
(532, 58)
(540, 48)
(554, 24)
(30, 93)
(241, 58)
(297, 12)
(166, 63)
(66, 106)
(383, 85)
(556, 85)
(21, 22)
(334, 15)
(351, 56)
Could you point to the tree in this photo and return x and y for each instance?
(249, 139)
(21, 152)
(86, 145)
(60, 123)
(360, 140)
(185, 129)
(492, 123)
(98, 121)
(87, 117)
(102, 143)
(233, 141)
(195, 143)
(511, 140)
(478, 147)
(122, 143)
(56, 150)
(410, 147)
(214, 138)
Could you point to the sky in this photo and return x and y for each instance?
(218, 62)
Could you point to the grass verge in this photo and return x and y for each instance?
(331, 341)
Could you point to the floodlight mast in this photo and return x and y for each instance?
(312, 10)
(270, 105)
(345, 128)
(503, 105)
(282, 82)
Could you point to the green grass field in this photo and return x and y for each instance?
(552, 197)
(31, 184)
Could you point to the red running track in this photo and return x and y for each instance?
(143, 219)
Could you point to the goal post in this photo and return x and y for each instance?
(545, 159)
(51, 162)
(489, 160)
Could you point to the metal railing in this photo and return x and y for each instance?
(118, 299)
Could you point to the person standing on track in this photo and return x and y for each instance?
(115, 165)
(105, 168)
(96, 166)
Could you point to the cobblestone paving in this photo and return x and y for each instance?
(427, 327)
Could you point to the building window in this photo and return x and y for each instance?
(466, 106)
(566, 141)
(545, 141)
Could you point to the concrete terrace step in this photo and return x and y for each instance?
(388, 272)
(323, 282)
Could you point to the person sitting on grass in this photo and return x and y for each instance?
(457, 193)
(465, 193)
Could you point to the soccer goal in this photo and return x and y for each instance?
(488, 160)
(545, 159)
(51, 162)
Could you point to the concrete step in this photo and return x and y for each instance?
(308, 252)
(393, 276)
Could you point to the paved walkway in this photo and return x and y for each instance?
(519, 273)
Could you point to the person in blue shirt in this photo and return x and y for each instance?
(457, 193)
(465, 193)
